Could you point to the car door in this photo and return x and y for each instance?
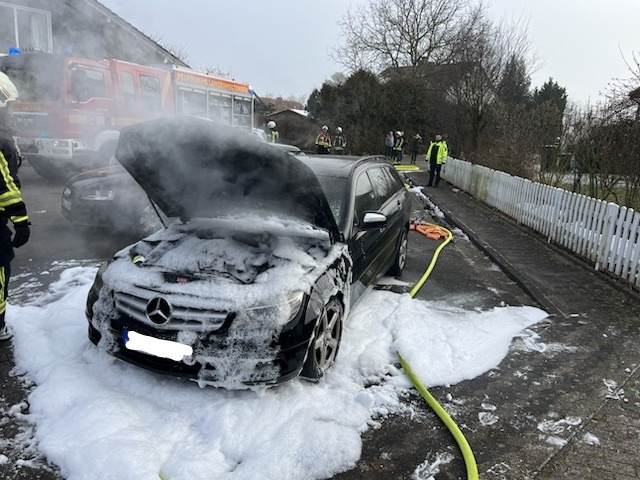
(392, 204)
(365, 244)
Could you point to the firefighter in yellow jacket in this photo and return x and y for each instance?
(436, 156)
(12, 208)
(323, 140)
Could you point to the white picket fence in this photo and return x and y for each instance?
(604, 233)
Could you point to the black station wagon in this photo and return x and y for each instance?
(252, 281)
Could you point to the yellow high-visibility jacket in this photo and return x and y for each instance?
(443, 152)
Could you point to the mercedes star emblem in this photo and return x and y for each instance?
(159, 310)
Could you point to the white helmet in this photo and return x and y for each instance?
(339, 129)
(271, 124)
(8, 91)
(325, 128)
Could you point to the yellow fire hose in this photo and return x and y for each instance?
(467, 453)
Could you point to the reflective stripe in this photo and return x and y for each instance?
(3, 301)
(10, 193)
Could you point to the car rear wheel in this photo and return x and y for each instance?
(325, 342)
(401, 255)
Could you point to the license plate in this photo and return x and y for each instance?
(155, 346)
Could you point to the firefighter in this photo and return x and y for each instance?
(436, 156)
(11, 205)
(323, 140)
(272, 133)
(339, 142)
(398, 148)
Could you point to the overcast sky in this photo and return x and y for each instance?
(281, 48)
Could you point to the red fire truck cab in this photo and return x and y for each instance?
(70, 110)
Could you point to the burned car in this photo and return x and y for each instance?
(271, 251)
(108, 198)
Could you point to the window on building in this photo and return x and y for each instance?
(26, 28)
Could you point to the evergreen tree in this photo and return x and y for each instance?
(553, 93)
(515, 83)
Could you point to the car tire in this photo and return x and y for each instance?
(325, 342)
(400, 259)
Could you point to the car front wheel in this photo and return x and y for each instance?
(325, 341)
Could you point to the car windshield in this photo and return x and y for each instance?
(335, 189)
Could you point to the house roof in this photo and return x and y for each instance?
(297, 111)
(112, 16)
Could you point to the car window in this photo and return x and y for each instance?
(381, 184)
(365, 197)
(395, 181)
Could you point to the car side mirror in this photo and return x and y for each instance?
(373, 220)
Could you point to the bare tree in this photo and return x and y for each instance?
(404, 33)
(489, 52)
(605, 141)
(179, 51)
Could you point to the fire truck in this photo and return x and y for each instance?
(70, 110)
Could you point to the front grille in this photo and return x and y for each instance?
(31, 122)
(182, 318)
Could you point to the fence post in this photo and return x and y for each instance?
(606, 236)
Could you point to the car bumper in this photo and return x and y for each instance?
(94, 214)
(286, 364)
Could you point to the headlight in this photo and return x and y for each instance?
(295, 303)
(101, 194)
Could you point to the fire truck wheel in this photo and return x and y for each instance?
(46, 171)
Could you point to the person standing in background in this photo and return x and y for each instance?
(272, 133)
(323, 141)
(416, 147)
(389, 140)
(339, 142)
(436, 156)
(398, 147)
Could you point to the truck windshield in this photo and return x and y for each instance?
(37, 77)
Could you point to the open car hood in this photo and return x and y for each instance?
(195, 168)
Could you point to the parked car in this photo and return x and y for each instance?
(252, 286)
(109, 198)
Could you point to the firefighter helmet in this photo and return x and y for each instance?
(271, 124)
(8, 91)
